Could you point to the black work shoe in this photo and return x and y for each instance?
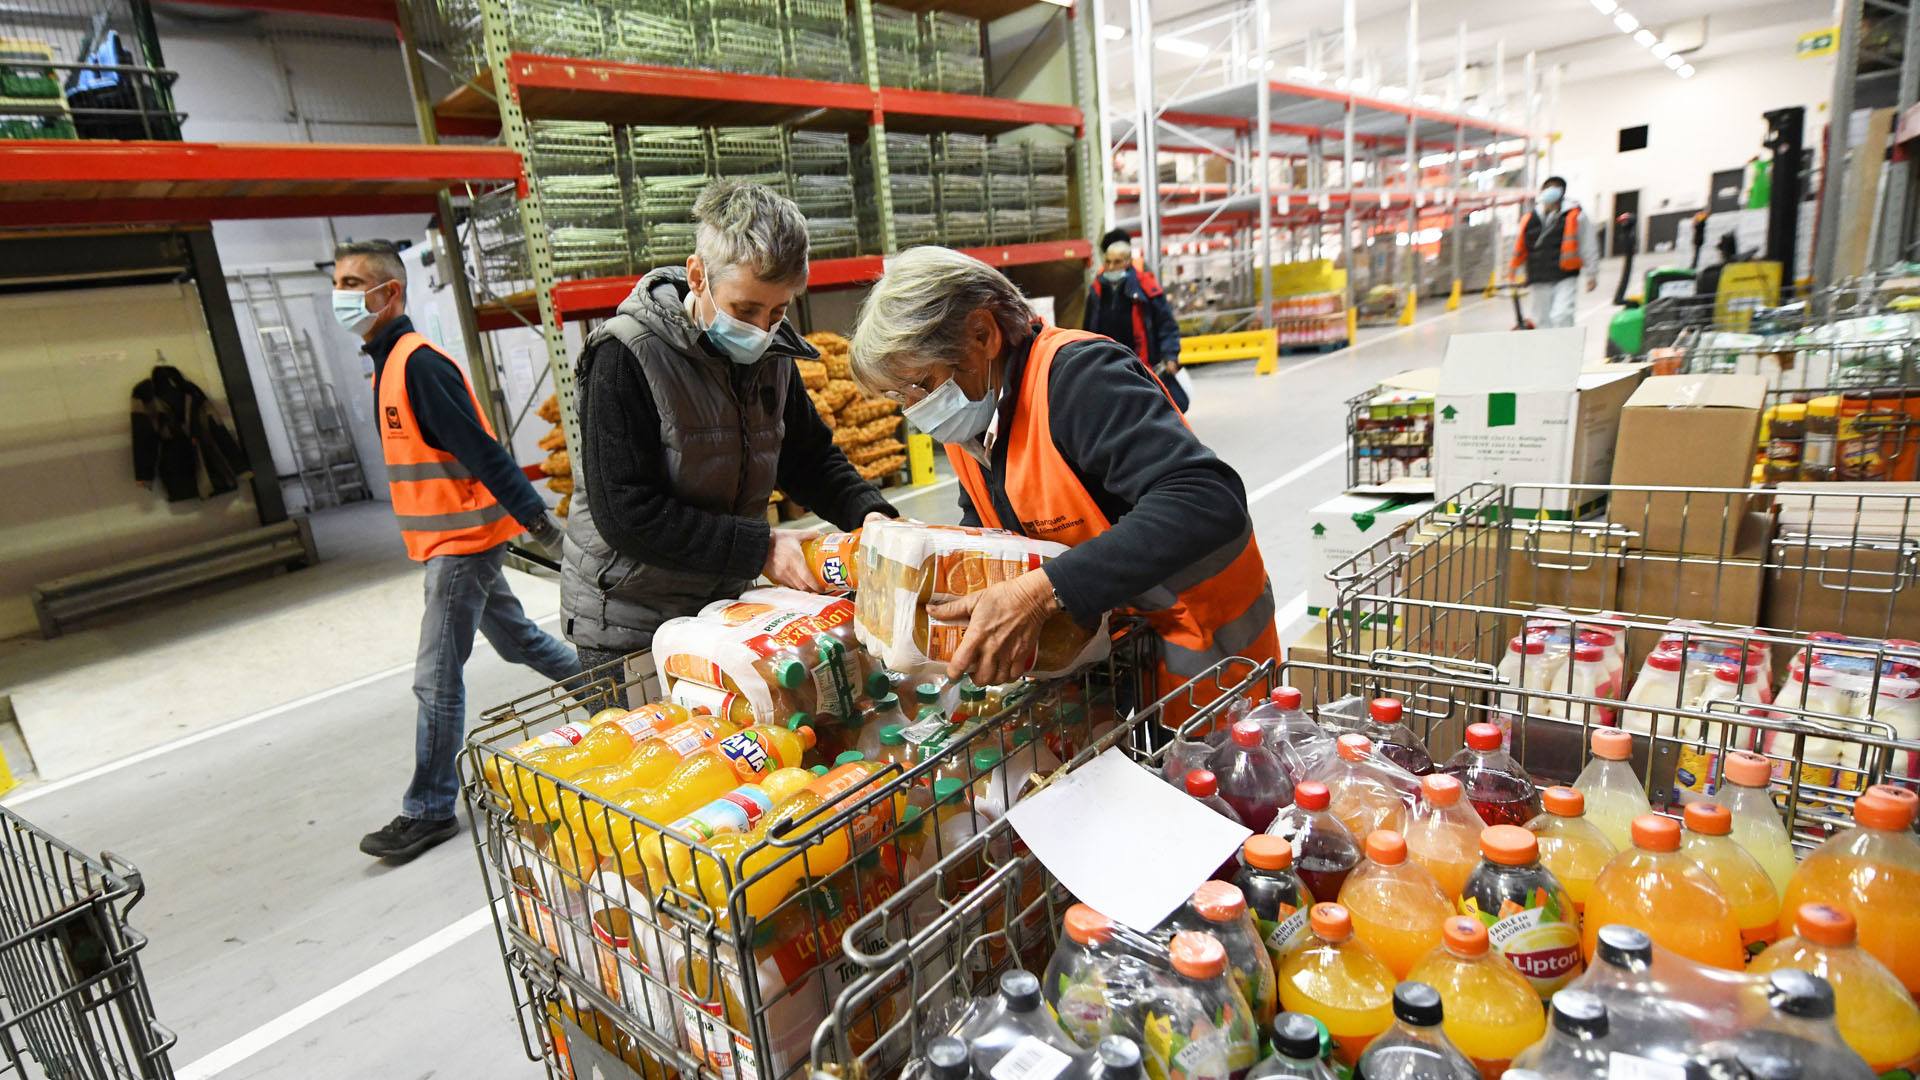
(405, 838)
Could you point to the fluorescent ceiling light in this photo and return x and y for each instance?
(1644, 38)
(1180, 46)
(1661, 50)
(1626, 22)
(1685, 72)
(1674, 63)
(1113, 33)
(1606, 7)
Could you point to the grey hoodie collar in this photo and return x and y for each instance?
(658, 302)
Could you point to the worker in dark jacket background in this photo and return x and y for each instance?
(1127, 304)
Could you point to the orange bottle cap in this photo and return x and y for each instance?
(1087, 926)
(1265, 852)
(1331, 922)
(1509, 845)
(1709, 818)
(1312, 795)
(1286, 697)
(1824, 924)
(1385, 709)
(1612, 744)
(1563, 802)
(1886, 807)
(1748, 769)
(1483, 737)
(1354, 747)
(1465, 935)
(1197, 955)
(1440, 789)
(1219, 901)
(1651, 832)
(1386, 847)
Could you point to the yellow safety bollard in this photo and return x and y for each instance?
(1353, 325)
(1453, 298)
(1413, 304)
(920, 459)
(1493, 283)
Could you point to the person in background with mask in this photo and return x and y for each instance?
(1558, 251)
(1064, 435)
(691, 413)
(459, 498)
(1128, 305)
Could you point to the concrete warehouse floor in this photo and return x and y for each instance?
(236, 748)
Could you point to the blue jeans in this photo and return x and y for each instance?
(465, 593)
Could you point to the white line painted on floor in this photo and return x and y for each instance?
(216, 731)
(937, 485)
(319, 1006)
(1297, 472)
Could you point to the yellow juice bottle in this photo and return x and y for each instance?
(1875, 1014)
(1571, 846)
(1338, 981)
(1756, 906)
(1662, 893)
(1614, 795)
(1492, 1012)
(649, 763)
(1756, 821)
(744, 757)
(1396, 907)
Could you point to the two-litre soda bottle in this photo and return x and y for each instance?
(1872, 870)
(1015, 1022)
(1219, 908)
(1528, 915)
(1393, 739)
(1201, 1026)
(1397, 908)
(1571, 846)
(1093, 983)
(1275, 896)
(1338, 981)
(1251, 779)
(1709, 843)
(1613, 793)
(1576, 1044)
(1416, 1047)
(1655, 888)
(1875, 1014)
(1499, 789)
(1324, 852)
(1757, 825)
(1282, 716)
(1443, 833)
(1796, 1039)
(1296, 1051)
(1493, 1013)
(741, 758)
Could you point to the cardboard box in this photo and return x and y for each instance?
(1867, 588)
(1517, 408)
(1345, 525)
(1657, 586)
(1559, 565)
(1687, 431)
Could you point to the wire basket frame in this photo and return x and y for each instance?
(701, 964)
(749, 150)
(819, 152)
(571, 147)
(964, 228)
(817, 54)
(741, 44)
(657, 33)
(668, 151)
(1827, 685)
(957, 153)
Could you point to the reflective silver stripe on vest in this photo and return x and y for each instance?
(466, 519)
(1212, 564)
(1228, 640)
(430, 470)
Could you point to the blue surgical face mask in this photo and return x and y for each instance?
(350, 308)
(743, 342)
(1550, 197)
(950, 416)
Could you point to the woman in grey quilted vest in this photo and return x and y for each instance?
(691, 413)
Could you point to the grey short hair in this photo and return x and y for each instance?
(916, 316)
(382, 255)
(745, 224)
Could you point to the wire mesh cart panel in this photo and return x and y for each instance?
(73, 999)
(665, 948)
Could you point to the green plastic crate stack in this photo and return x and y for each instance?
(960, 188)
(736, 35)
(32, 105)
(896, 46)
(817, 40)
(821, 164)
(950, 54)
(650, 31)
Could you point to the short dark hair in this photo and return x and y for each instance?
(383, 255)
(1114, 236)
(1554, 181)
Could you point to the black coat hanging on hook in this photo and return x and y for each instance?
(177, 438)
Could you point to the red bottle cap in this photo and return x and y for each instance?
(1385, 710)
(1588, 653)
(1483, 737)
(1202, 784)
(1531, 646)
(1651, 832)
(1666, 660)
(1312, 795)
(1246, 733)
(1286, 697)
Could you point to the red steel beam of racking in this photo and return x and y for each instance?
(375, 10)
(40, 213)
(104, 162)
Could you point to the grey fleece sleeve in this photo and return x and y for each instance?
(1122, 436)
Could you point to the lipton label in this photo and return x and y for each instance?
(1536, 939)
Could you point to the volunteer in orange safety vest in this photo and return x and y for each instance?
(1558, 248)
(1067, 436)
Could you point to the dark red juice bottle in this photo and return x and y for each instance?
(1251, 778)
(1324, 852)
(1393, 739)
(1499, 789)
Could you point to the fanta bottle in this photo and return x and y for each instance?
(1275, 897)
(1396, 907)
(1655, 888)
(738, 811)
(610, 743)
(1393, 739)
(502, 770)
(1875, 1014)
(1613, 793)
(1250, 776)
(1528, 915)
(834, 559)
(1338, 981)
(1756, 821)
(774, 870)
(1492, 1012)
(1756, 906)
(1443, 834)
(649, 764)
(1324, 852)
(1872, 871)
(1571, 846)
(741, 758)
(1500, 790)
(596, 747)
(1363, 799)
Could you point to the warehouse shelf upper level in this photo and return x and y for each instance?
(1300, 111)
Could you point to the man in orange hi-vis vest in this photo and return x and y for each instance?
(1559, 248)
(1065, 435)
(459, 498)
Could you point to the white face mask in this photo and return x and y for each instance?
(350, 309)
(950, 416)
(1114, 276)
(743, 342)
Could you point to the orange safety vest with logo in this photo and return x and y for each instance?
(1228, 612)
(443, 509)
(1569, 242)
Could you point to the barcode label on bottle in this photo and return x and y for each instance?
(1030, 1059)
(1633, 1067)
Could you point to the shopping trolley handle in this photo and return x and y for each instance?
(1446, 667)
(126, 872)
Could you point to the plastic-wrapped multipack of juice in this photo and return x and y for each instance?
(904, 566)
(775, 653)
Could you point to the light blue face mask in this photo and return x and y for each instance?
(743, 342)
(1550, 197)
(350, 309)
(950, 416)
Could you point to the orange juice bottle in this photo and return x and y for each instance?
(1443, 833)
(1362, 799)
(614, 737)
(1492, 1012)
(1873, 1011)
(1396, 907)
(502, 770)
(744, 757)
(1872, 871)
(1338, 981)
(1709, 842)
(648, 763)
(1655, 889)
(1571, 846)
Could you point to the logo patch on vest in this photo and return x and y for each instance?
(393, 418)
(1048, 526)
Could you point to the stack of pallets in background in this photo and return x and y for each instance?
(821, 165)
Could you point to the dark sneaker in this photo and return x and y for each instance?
(405, 838)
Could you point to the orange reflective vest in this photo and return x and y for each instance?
(1226, 611)
(1569, 242)
(443, 509)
